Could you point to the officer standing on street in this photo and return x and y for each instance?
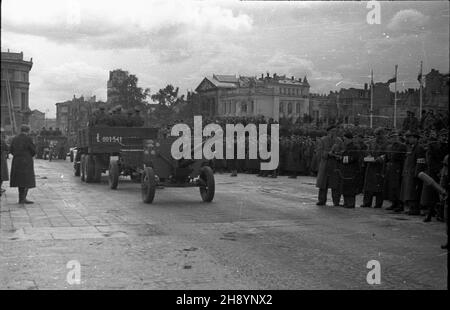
(414, 163)
(433, 157)
(374, 178)
(349, 169)
(3, 161)
(394, 165)
(327, 167)
(22, 166)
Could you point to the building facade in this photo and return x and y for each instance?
(15, 70)
(269, 96)
(116, 77)
(74, 114)
(37, 120)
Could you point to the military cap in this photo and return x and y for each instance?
(394, 133)
(412, 133)
(379, 131)
(25, 128)
(348, 135)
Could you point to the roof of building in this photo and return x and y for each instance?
(225, 78)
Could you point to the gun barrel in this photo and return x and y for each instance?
(429, 181)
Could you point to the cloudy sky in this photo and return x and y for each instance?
(74, 43)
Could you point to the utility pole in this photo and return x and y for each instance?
(420, 92)
(395, 98)
(371, 100)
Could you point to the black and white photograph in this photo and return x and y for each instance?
(224, 149)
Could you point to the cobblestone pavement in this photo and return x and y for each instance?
(259, 233)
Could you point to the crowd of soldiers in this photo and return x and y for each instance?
(116, 117)
(50, 132)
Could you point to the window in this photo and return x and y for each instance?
(23, 101)
(244, 107)
(297, 107)
(290, 108)
(282, 107)
(251, 107)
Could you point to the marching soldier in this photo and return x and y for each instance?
(327, 167)
(374, 177)
(395, 158)
(414, 163)
(349, 168)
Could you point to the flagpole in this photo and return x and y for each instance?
(371, 100)
(420, 92)
(395, 98)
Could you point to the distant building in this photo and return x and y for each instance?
(73, 115)
(323, 108)
(15, 69)
(37, 120)
(116, 77)
(271, 96)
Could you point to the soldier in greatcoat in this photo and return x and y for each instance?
(414, 163)
(22, 167)
(394, 165)
(326, 172)
(433, 156)
(375, 169)
(348, 170)
(3, 161)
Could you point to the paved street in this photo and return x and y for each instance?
(259, 233)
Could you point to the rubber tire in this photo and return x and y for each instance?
(97, 169)
(76, 169)
(89, 169)
(148, 185)
(113, 177)
(207, 175)
(82, 169)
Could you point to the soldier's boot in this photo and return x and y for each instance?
(393, 206)
(414, 208)
(378, 200)
(336, 196)
(430, 214)
(23, 191)
(367, 200)
(349, 202)
(322, 199)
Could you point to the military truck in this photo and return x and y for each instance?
(51, 147)
(118, 150)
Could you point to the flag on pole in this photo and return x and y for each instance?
(419, 77)
(393, 80)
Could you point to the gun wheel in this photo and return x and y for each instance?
(148, 185)
(207, 189)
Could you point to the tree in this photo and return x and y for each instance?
(168, 96)
(130, 94)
